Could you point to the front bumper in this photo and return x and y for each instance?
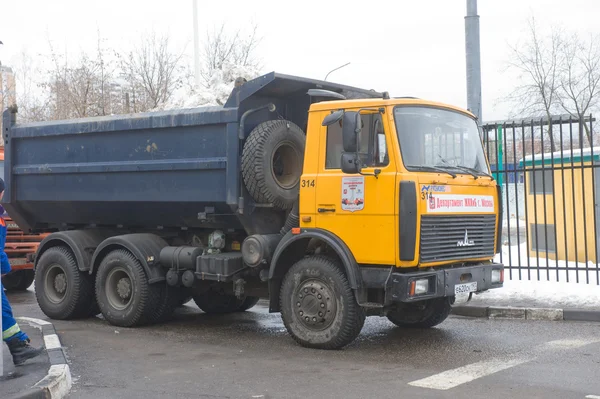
(441, 282)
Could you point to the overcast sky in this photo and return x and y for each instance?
(406, 47)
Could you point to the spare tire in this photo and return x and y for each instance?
(272, 163)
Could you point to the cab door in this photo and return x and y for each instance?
(359, 209)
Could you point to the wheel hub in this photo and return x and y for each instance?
(119, 288)
(54, 279)
(124, 288)
(315, 304)
(60, 283)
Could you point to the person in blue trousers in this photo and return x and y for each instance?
(17, 340)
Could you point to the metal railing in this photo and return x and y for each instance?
(547, 168)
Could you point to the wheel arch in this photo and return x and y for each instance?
(81, 243)
(293, 247)
(144, 247)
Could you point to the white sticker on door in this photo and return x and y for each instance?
(460, 203)
(353, 193)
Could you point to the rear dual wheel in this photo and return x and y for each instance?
(124, 296)
(63, 291)
(219, 303)
(18, 280)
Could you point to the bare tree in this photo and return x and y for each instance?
(228, 56)
(580, 79)
(151, 70)
(30, 99)
(538, 62)
(79, 87)
(236, 49)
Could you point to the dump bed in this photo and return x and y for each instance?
(152, 170)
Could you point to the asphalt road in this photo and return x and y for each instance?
(19, 378)
(250, 355)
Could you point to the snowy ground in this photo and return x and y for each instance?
(548, 288)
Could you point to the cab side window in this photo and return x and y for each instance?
(372, 145)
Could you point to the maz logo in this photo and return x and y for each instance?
(465, 242)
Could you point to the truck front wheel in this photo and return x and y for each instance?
(19, 280)
(422, 314)
(124, 296)
(62, 290)
(318, 306)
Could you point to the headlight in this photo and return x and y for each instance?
(419, 287)
(497, 276)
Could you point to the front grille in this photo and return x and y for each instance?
(440, 237)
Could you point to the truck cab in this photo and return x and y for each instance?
(404, 186)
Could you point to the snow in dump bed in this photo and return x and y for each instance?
(214, 91)
(551, 291)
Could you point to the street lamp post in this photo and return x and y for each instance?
(335, 69)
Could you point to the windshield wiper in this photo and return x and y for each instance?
(470, 171)
(476, 173)
(432, 169)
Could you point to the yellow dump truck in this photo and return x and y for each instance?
(333, 202)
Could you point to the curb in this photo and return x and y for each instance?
(547, 314)
(57, 383)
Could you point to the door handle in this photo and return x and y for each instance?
(323, 210)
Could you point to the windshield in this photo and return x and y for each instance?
(438, 138)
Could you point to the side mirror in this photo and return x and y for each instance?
(351, 127)
(350, 163)
(332, 118)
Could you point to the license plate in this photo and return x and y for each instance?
(16, 262)
(12, 226)
(465, 288)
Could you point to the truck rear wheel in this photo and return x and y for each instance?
(318, 306)
(248, 303)
(422, 314)
(124, 296)
(63, 291)
(19, 280)
(272, 162)
(218, 303)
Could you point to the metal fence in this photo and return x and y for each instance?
(548, 172)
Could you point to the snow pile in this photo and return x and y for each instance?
(544, 288)
(215, 91)
(546, 294)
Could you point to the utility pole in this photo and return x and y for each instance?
(196, 44)
(473, 52)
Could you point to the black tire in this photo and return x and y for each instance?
(63, 292)
(218, 303)
(170, 298)
(318, 306)
(248, 303)
(19, 280)
(423, 314)
(124, 296)
(272, 163)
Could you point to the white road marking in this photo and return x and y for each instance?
(592, 397)
(569, 343)
(35, 321)
(462, 375)
(51, 341)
